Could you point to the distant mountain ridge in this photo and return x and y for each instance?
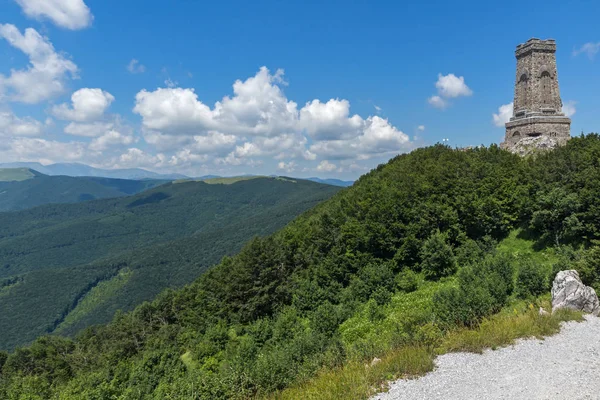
(76, 169)
(333, 182)
(23, 188)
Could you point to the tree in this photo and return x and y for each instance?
(556, 217)
(438, 257)
(531, 280)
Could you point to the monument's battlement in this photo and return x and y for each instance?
(534, 44)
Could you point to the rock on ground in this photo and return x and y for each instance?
(569, 292)
(530, 145)
(564, 366)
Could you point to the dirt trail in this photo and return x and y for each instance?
(563, 366)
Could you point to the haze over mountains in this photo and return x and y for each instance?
(77, 169)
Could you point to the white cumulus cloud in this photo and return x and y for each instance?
(69, 14)
(135, 157)
(326, 166)
(377, 138)
(449, 87)
(44, 151)
(287, 167)
(93, 129)
(505, 112)
(46, 73)
(259, 121)
(110, 138)
(11, 125)
(173, 110)
(569, 108)
(330, 120)
(438, 102)
(87, 105)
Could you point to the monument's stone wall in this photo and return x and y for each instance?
(537, 107)
(556, 128)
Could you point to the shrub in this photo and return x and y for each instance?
(438, 257)
(588, 266)
(407, 281)
(567, 256)
(459, 307)
(556, 216)
(482, 290)
(375, 280)
(531, 280)
(407, 255)
(471, 251)
(585, 261)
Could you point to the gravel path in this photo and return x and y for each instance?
(563, 366)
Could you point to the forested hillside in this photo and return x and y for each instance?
(23, 188)
(64, 267)
(432, 241)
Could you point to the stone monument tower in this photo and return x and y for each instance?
(537, 118)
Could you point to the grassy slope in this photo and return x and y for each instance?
(365, 337)
(16, 174)
(193, 228)
(230, 180)
(94, 299)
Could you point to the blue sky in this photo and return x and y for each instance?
(326, 88)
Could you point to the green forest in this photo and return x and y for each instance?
(434, 241)
(68, 266)
(22, 188)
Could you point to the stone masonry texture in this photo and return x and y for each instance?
(537, 109)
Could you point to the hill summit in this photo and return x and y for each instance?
(17, 174)
(410, 259)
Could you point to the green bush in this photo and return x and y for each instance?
(407, 281)
(532, 280)
(567, 256)
(375, 280)
(588, 266)
(585, 261)
(438, 257)
(557, 217)
(482, 290)
(471, 251)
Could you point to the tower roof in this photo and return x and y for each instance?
(535, 44)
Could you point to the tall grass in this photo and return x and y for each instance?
(503, 329)
(357, 381)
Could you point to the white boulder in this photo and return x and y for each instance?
(569, 292)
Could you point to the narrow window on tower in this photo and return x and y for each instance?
(546, 88)
(522, 87)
